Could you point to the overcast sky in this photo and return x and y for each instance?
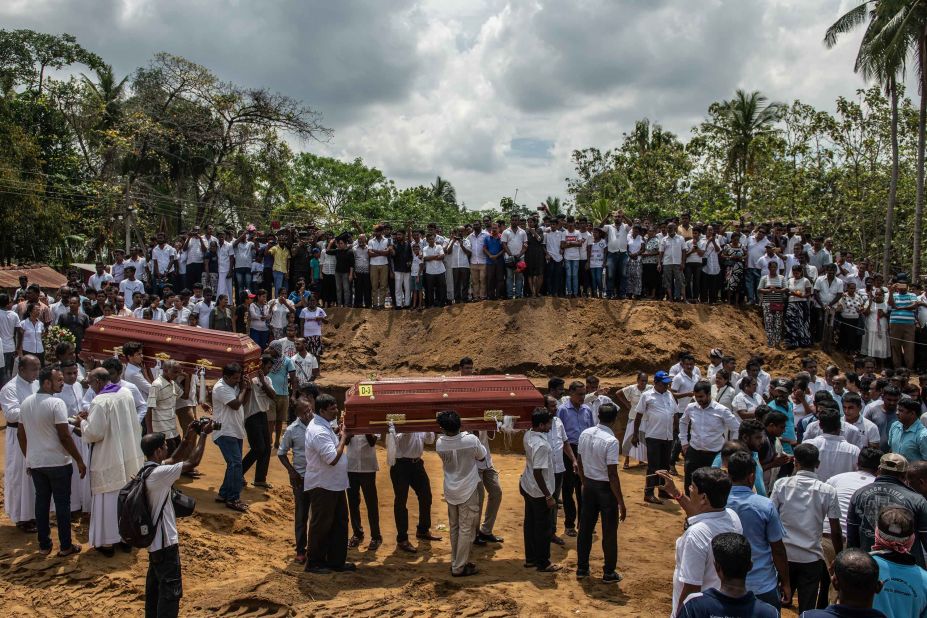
(489, 94)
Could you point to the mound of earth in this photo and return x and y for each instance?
(543, 337)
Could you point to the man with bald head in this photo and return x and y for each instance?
(19, 492)
(112, 427)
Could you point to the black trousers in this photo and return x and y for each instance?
(538, 530)
(362, 290)
(435, 290)
(163, 585)
(301, 518)
(495, 280)
(572, 485)
(693, 275)
(328, 528)
(366, 482)
(695, 460)
(194, 274)
(558, 487)
(806, 580)
(259, 447)
(461, 284)
(405, 474)
(598, 499)
(658, 458)
(711, 287)
(553, 278)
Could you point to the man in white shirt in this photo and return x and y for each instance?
(672, 249)
(163, 393)
(617, 238)
(683, 384)
(408, 471)
(805, 504)
(459, 453)
(707, 517)
(756, 248)
(139, 263)
(599, 453)
(243, 252)
(294, 438)
(307, 365)
(8, 323)
(827, 291)
(435, 284)
(378, 250)
(836, 455)
(515, 245)
(703, 428)
(477, 240)
(553, 275)
(458, 253)
(18, 490)
(163, 584)
(163, 256)
(100, 279)
(326, 481)
(846, 484)
(129, 286)
(362, 476)
(229, 396)
(656, 414)
(537, 486)
(44, 437)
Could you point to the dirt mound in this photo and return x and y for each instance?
(543, 337)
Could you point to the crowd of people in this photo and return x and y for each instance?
(780, 473)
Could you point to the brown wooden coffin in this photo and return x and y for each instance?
(192, 347)
(412, 404)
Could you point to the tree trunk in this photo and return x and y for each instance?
(921, 127)
(893, 185)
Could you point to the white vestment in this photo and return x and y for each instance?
(19, 492)
(112, 428)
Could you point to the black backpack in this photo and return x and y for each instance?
(135, 522)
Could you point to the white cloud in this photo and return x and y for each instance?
(427, 87)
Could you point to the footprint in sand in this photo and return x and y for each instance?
(255, 607)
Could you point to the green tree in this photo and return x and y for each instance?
(444, 190)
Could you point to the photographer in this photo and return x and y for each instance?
(163, 587)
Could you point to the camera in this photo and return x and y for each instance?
(200, 424)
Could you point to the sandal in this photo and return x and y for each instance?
(238, 505)
(355, 541)
(653, 500)
(70, 551)
(550, 568)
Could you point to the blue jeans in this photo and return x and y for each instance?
(752, 281)
(514, 283)
(260, 337)
(572, 277)
(616, 284)
(279, 281)
(234, 477)
(53, 482)
(242, 281)
(596, 274)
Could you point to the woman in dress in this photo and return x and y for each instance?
(650, 276)
(30, 333)
(628, 397)
(734, 256)
(635, 271)
(280, 309)
(797, 311)
(721, 391)
(772, 298)
(850, 310)
(534, 258)
(876, 315)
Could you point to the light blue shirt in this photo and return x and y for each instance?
(575, 420)
(762, 526)
(789, 432)
(910, 443)
(758, 484)
(281, 379)
(904, 589)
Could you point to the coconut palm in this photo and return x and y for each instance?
(743, 121)
(884, 66)
(444, 190)
(553, 205)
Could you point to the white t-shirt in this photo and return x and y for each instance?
(127, 288)
(695, 562)
(39, 414)
(163, 257)
(8, 323)
(181, 316)
(96, 282)
(195, 251)
(378, 245)
(538, 456)
(243, 251)
(233, 421)
(139, 264)
(743, 401)
(598, 448)
(552, 239)
(617, 237)
(755, 250)
(311, 328)
(597, 253)
(258, 315)
(159, 484)
(279, 312)
(658, 410)
(516, 239)
(573, 253)
(694, 257)
(459, 454)
(846, 485)
(304, 367)
(557, 437)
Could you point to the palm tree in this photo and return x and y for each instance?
(107, 93)
(444, 190)
(883, 66)
(552, 205)
(743, 121)
(903, 30)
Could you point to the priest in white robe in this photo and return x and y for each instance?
(112, 428)
(19, 492)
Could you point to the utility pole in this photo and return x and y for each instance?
(131, 211)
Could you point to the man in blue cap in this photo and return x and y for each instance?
(656, 412)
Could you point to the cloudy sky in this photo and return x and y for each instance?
(491, 94)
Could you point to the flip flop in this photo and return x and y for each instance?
(70, 551)
(550, 568)
(238, 505)
(653, 500)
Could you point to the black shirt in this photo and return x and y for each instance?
(344, 260)
(402, 257)
(77, 324)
